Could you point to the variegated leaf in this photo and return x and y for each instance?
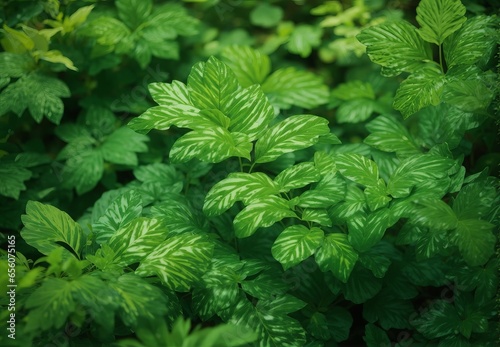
(179, 261)
(330, 190)
(119, 213)
(297, 176)
(262, 212)
(238, 186)
(169, 94)
(365, 231)
(337, 255)
(249, 65)
(295, 244)
(291, 134)
(211, 85)
(357, 168)
(136, 240)
(316, 215)
(213, 144)
(163, 117)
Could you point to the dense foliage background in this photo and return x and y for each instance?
(249, 173)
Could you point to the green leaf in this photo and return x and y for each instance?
(250, 112)
(361, 286)
(291, 134)
(337, 255)
(169, 94)
(422, 88)
(434, 214)
(211, 85)
(288, 86)
(39, 93)
(439, 19)
(120, 212)
(261, 213)
(415, 170)
(473, 41)
(295, 244)
(357, 168)
(212, 145)
(50, 305)
(238, 186)
(266, 16)
(396, 46)
(107, 31)
(390, 311)
(355, 111)
(376, 196)
(330, 190)
(84, 170)
(45, 226)
(475, 200)
(274, 329)
(179, 261)
(136, 240)
(163, 117)
(353, 90)
(440, 320)
(138, 300)
(134, 12)
(249, 65)
(122, 145)
(475, 241)
(12, 177)
(15, 65)
(375, 337)
(367, 231)
(303, 39)
(467, 89)
(315, 215)
(389, 135)
(378, 258)
(297, 176)
(355, 202)
(324, 163)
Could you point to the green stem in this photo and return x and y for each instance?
(251, 168)
(241, 164)
(441, 58)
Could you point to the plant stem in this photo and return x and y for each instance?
(441, 58)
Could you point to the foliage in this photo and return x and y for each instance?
(168, 180)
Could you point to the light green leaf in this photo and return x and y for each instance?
(250, 112)
(324, 163)
(261, 213)
(475, 241)
(122, 210)
(84, 170)
(212, 145)
(337, 255)
(265, 15)
(422, 88)
(211, 85)
(365, 231)
(297, 176)
(238, 186)
(473, 41)
(330, 190)
(12, 177)
(288, 86)
(355, 202)
(179, 261)
(415, 170)
(122, 145)
(357, 168)
(389, 135)
(169, 94)
(295, 244)
(395, 45)
(439, 19)
(291, 134)
(57, 57)
(45, 226)
(353, 90)
(249, 65)
(136, 240)
(303, 39)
